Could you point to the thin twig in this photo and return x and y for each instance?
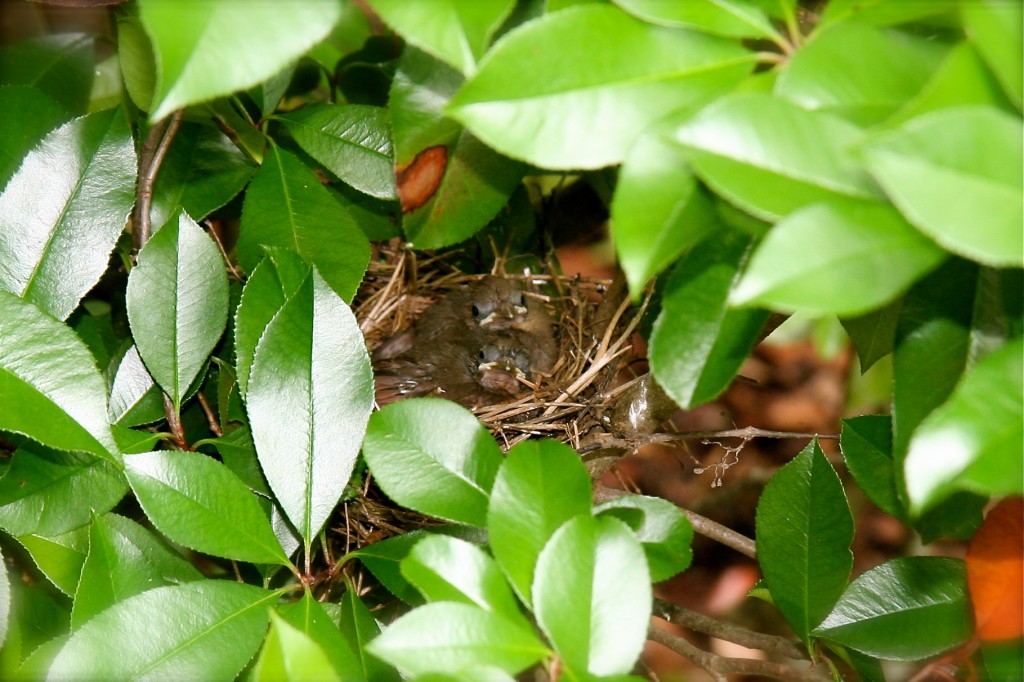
(729, 632)
(153, 151)
(746, 433)
(211, 417)
(720, 665)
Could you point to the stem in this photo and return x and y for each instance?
(727, 631)
(158, 140)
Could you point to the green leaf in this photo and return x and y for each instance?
(698, 343)
(873, 333)
(595, 607)
(658, 210)
(203, 170)
(59, 557)
(541, 485)
(866, 443)
(208, 629)
(842, 257)
(50, 389)
(730, 18)
(957, 174)
(450, 637)
(454, 32)
(28, 115)
(540, 97)
(177, 299)
(138, 63)
(275, 280)
(5, 601)
(124, 559)
(48, 492)
(858, 72)
(770, 157)
(358, 627)
(906, 609)
(287, 207)
(384, 558)
(209, 49)
(453, 455)
(665, 533)
(995, 29)
(64, 209)
(353, 141)
(60, 65)
(134, 396)
(804, 533)
(972, 441)
(238, 453)
(933, 348)
(291, 654)
(197, 502)
(882, 12)
(309, 396)
(450, 183)
(308, 617)
(444, 568)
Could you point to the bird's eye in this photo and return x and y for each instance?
(517, 298)
(476, 311)
(482, 355)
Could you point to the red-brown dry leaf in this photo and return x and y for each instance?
(420, 178)
(995, 572)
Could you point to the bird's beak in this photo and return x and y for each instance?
(502, 366)
(503, 315)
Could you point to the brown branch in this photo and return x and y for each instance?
(720, 665)
(729, 632)
(747, 433)
(154, 148)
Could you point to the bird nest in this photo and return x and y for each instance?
(593, 322)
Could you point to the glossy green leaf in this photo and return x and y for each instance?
(962, 79)
(353, 141)
(238, 453)
(665, 533)
(771, 157)
(958, 175)
(838, 257)
(732, 18)
(995, 28)
(358, 627)
(906, 609)
(873, 333)
(384, 558)
(595, 608)
(134, 396)
(50, 388)
(138, 63)
(5, 602)
(276, 279)
(208, 629)
(972, 441)
(291, 654)
(203, 170)
(197, 502)
(449, 637)
(309, 396)
(933, 349)
(475, 182)
(60, 65)
(48, 492)
(177, 299)
(308, 617)
(866, 443)
(28, 115)
(64, 209)
(124, 559)
(698, 343)
(454, 32)
(60, 557)
(287, 207)
(858, 72)
(882, 12)
(539, 95)
(658, 211)
(209, 49)
(455, 458)
(448, 569)
(541, 485)
(804, 533)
